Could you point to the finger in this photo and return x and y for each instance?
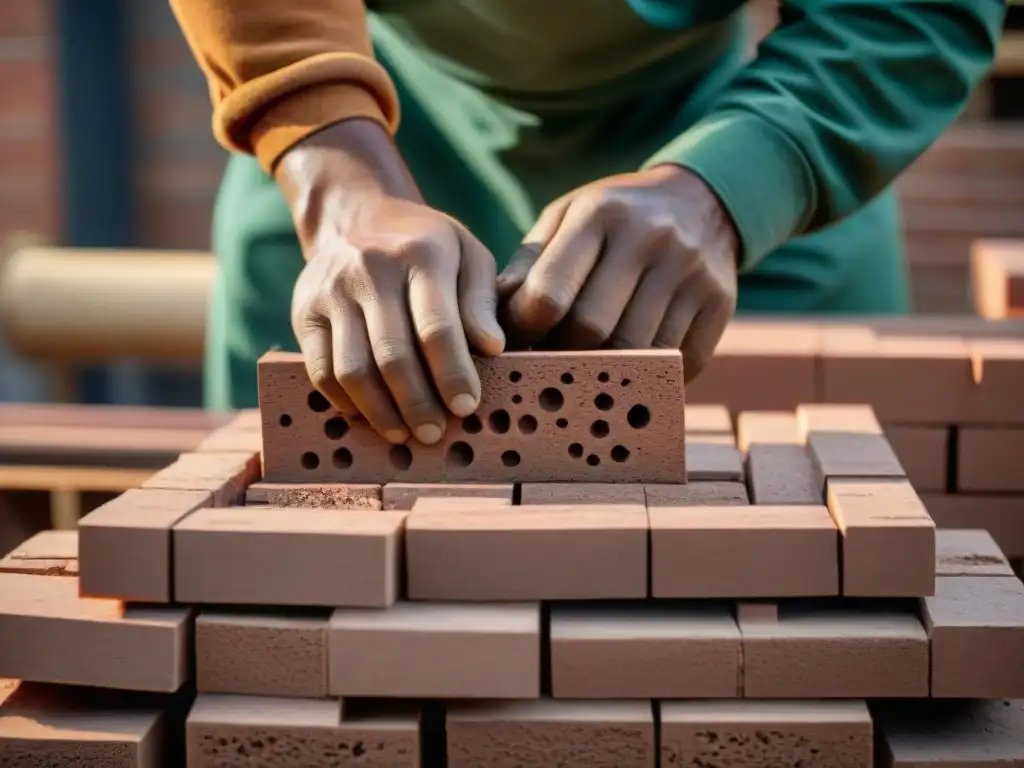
(315, 343)
(604, 297)
(645, 312)
(434, 306)
(356, 372)
(512, 277)
(703, 336)
(682, 310)
(477, 297)
(554, 282)
(394, 350)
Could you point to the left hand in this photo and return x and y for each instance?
(633, 261)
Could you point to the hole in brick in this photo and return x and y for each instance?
(567, 378)
(603, 377)
(317, 402)
(285, 420)
(562, 423)
(620, 453)
(626, 382)
(639, 416)
(500, 422)
(576, 450)
(471, 424)
(401, 457)
(310, 460)
(515, 376)
(510, 458)
(527, 424)
(342, 458)
(336, 428)
(604, 402)
(551, 399)
(593, 459)
(600, 428)
(517, 399)
(460, 454)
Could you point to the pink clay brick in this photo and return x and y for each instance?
(301, 557)
(998, 368)
(846, 441)
(125, 545)
(708, 420)
(711, 494)
(241, 434)
(338, 496)
(537, 422)
(767, 428)
(782, 474)
(969, 553)
(437, 651)
(225, 475)
(545, 732)
(990, 460)
(710, 461)
(403, 496)
(48, 553)
(532, 494)
(1002, 515)
(923, 453)
(643, 650)
(538, 553)
(888, 538)
(51, 635)
(262, 654)
(744, 551)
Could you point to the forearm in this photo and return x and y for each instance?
(841, 98)
(281, 70)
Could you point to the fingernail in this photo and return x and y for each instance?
(462, 405)
(428, 434)
(396, 436)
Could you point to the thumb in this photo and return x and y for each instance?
(478, 297)
(514, 275)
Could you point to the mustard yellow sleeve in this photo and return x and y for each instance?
(280, 70)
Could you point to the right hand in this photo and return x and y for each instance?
(394, 293)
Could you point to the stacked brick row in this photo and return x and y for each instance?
(785, 600)
(946, 390)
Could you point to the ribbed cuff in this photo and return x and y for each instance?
(758, 173)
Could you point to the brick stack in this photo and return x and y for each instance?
(560, 582)
(997, 277)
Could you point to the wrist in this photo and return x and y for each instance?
(699, 204)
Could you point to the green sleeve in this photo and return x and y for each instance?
(841, 98)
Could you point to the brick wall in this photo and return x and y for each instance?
(176, 163)
(29, 139)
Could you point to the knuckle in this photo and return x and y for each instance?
(351, 373)
(591, 327)
(393, 357)
(319, 376)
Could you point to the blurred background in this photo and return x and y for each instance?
(105, 143)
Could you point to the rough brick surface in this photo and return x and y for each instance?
(225, 475)
(541, 553)
(301, 557)
(1002, 515)
(433, 650)
(708, 459)
(403, 496)
(706, 494)
(976, 626)
(846, 441)
(544, 417)
(262, 654)
(48, 553)
(532, 494)
(337, 496)
(782, 474)
(747, 551)
(598, 734)
(51, 635)
(837, 734)
(969, 553)
(125, 545)
(643, 650)
(888, 538)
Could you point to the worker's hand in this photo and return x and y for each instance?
(393, 292)
(634, 261)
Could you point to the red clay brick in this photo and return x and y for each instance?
(643, 650)
(767, 428)
(262, 654)
(241, 731)
(541, 553)
(846, 441)
(837, 734)
(335, 496)
(225, 475)
(815, 652)
(125, 545)
(888, 538)
(403, 496)
(48, 725)
(1000, 515)
(998, 366)
(532, 494)
(48, 553)
(976, 627)
(708, 461)
(51, 635)
(782, 474)
(597, 734)
(746, 551)
(437, 651)
(721, 494)
(300, 557)
(708, 420)
(544, 417)
(923, 453)
(757, 610)
(965, 552)
(990, 460)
